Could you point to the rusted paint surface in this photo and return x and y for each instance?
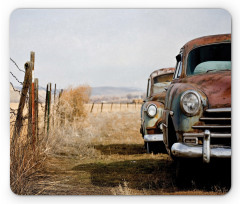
(216, 86)
(150, 125)
(207, 40)
(168, 73)
(213, 87)
(162, 71)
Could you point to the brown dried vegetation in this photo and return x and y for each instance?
(97, 154)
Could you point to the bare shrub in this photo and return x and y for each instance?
(24, 163)
(71, 133)
(72, 102)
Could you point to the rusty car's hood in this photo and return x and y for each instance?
(215, 85)
(159, 97)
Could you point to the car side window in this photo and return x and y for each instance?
(148, 88)
(179, 72)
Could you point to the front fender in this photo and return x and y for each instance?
(151, 124)
(181, 122)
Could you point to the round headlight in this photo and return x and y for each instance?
(190, 102)
(152, 110)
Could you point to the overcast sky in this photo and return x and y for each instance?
(106, 47)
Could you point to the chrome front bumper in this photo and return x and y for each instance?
(205, 151)
(153, 138)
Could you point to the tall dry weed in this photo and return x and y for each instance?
(71, 104)
(69, 135)
(25, 162)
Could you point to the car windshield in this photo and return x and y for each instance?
(161, 82)
(209, 58)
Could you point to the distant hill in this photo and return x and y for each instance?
(15, 95)
(105, 92)
(114, 91)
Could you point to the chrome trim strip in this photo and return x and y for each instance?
(186, 151)
(211, 126)
(219, 110)
(219, 135)
(191, 138)
(213, 135)
(153, 138)
(164, 125)
(206, 147)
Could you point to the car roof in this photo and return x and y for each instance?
(206, 40)
(162, 71)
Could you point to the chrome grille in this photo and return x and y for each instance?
(217, 120)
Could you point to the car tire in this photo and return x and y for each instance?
(155, 147)
(150, 147)
(183, 172)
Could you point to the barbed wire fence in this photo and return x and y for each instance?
(27, 113)
(29, 124)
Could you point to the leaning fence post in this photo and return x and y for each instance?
(33, 139)
(19, 118)
(30, 106)
(92, 107)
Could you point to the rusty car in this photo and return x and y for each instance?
(151, 110)
(197, 113)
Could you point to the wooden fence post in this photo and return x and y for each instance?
(120, 106)
(101, 106)
(54, 105)
(30, 107)
(49, 107)
(59, 96)
(46, 105)
(36, 107)
(111, 106)
(33, 138)
(26, 84)
(92, 107)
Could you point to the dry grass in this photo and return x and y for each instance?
(115, 107)
(103, 154)
(111, 160)
(25, 161)
(69, 134)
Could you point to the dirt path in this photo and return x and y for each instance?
(114, 162)
(121, 169)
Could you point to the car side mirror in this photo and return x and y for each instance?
(179, 57)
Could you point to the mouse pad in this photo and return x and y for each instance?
(120, 101)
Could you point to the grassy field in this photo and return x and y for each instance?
(115, 107)
(102, 154)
